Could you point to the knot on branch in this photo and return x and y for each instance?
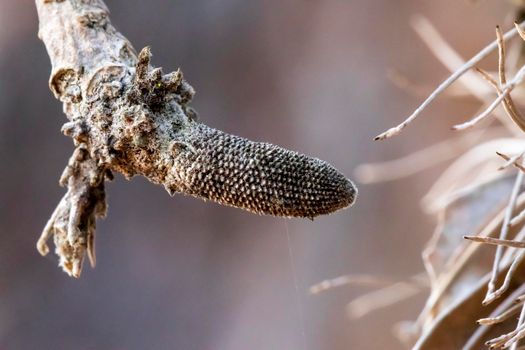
(94, 17)
(152, 87)
(65, 85)
(76, 130)
(73, 222)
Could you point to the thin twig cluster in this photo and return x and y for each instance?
(505, 246)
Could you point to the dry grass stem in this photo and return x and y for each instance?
(487, 77)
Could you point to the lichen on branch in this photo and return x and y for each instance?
(126, 116)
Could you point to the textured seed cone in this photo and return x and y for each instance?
(256, 176)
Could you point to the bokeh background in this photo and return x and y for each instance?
(178, 273)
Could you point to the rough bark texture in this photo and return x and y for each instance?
(129, 117)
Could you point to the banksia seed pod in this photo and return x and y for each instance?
(256, 176)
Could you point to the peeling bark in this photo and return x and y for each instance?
(126, 116)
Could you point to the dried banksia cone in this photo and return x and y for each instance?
(256, 176)
(128, 117)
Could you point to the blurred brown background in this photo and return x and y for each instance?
(178, 273)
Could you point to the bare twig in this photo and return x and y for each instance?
(503, 340)
(404, 83)
(508, 277)
(448, 56)
(496, 241)
(520, 30)
(486, 113)
(491, 289)
(501, 317)
(520, 327)
(444, 85)
(452, 60)
(359, 280)
(501, 308)
(512, 160)
(508, 103)
(501, 56)
(520, 299)
(518, 219)
(475, 165)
